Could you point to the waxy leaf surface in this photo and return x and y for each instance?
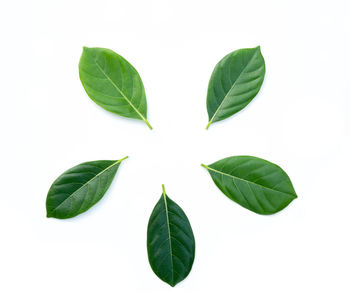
(79, 188)
(254, 183)
(170, 241)
(113, 83)
(235, 81)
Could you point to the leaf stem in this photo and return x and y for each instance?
(119, 161)
(163, 189)
(204, 166)
(208, 125)
(146, 121)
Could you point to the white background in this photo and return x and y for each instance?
(300, 121)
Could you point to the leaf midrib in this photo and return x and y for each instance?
(120, 91)
(86, 183)
(229, 91)
(247, 181)
(169, 234)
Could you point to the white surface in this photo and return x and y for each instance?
(300, 121)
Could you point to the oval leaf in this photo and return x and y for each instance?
(79, 188)
(170, 241)
(254, 183)
(235, 81)
(113, 83)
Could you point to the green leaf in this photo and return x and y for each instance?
(235, 81)
(79, 188)
(170, 241)
(254, 183)
(113, 83)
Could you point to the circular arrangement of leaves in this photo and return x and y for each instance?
(256, 184)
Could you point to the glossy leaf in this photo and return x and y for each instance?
(113, 83)
(79, 188)
(254, 183)
(170, 241)
(235, 81)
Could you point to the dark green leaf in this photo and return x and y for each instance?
(254, 183)
(79, 188)
(113, 83)
(235, 81)
(170, 241)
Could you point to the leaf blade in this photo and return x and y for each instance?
(170, 241)
(79, 188)
(113, 83)
(235, 81)
(254, 183)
